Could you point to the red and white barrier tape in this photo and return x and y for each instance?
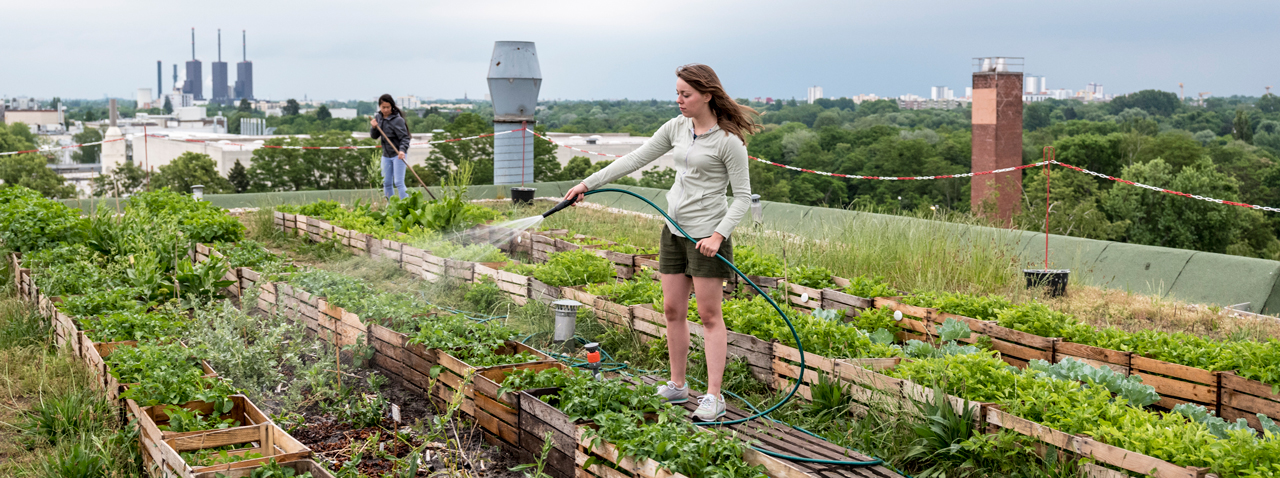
(1168, 191)
(966, 175)
(59, 148)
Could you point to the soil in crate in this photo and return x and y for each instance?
(331, 441)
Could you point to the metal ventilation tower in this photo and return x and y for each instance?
(514, 81)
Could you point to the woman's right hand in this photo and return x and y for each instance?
(576, 193)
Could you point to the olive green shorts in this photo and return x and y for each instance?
(678, 255)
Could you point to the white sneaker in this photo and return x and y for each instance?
(710, 407)
(673, 394)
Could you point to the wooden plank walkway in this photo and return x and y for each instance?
(779, 438)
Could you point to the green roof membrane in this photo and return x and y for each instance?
(1144, 270)
(1226, 280)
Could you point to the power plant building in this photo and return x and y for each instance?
(192, 86)
(244, 74)
(219, 93)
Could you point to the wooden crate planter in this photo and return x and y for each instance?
(543, 245)
(515, 285)
(1016, 348)
(299, 467)
(614, 313)
(871, 382)
(538, 419)
(540, 291)
(431, 268)
(458, 375)
(652, 324)
(464, 270)
(785, 368)
(201, 253)
(851, 304)
(767, 284)
(161, 450)
(648, 321)
(500, 414)
(96, 354)
(646, 260)
(242, 411)
(1244, 398)
(806, 298)
(1088, 447)
(409, 364)
(326, 321)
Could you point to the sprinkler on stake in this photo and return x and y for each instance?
(593, 359)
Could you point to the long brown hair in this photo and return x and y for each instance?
(735, 119)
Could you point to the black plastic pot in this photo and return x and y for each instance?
(522, 196)
(1053, 280)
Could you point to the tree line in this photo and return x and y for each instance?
(1226, 149)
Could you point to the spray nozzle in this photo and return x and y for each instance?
(563, 204)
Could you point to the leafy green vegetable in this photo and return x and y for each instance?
(869, 287)
(640, 289)
(1129, 387)
(29, 222)
(573, 268)
(829, 338)
(166, 374)
(136, 325)
(810, 276)
(200, 221)
(1093, 410)
(187, 420)
(751, 261)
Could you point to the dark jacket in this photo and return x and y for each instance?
(397, 132)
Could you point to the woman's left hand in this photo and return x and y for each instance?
(711, 245)
(402, 155)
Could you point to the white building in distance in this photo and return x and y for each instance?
(814, 93)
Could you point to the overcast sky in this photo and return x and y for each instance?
(592, 49)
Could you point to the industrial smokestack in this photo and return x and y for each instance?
(193, 43)
(159, 86)
(113, 113)
(219, 44)
(175, 76)
(244, 44)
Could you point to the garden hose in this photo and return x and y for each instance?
(794, 334)
(799, 346)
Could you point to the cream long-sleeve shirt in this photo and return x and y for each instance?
(705, 165)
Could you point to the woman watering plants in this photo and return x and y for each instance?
(389, 121)
(709, 144)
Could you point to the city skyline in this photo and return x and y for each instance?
(441, 50)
